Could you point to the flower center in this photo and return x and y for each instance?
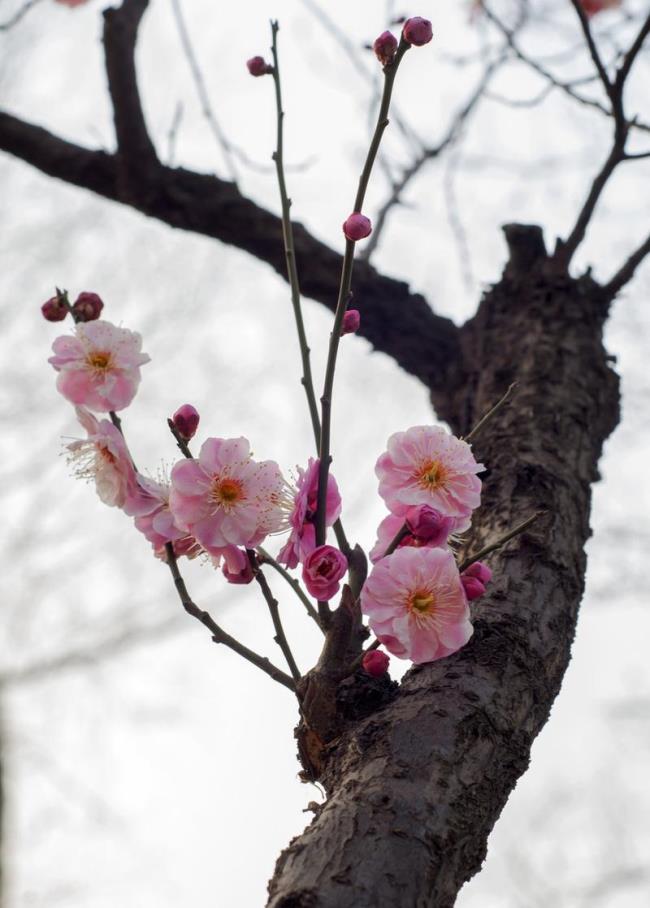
(99, 359)
(422, 602)
(432, 475)
(227, 491)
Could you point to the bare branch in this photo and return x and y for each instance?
(18, 15)
(274, 609)
(625, 274)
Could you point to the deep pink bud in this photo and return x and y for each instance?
(429, 525)
(472, 586)
(87, 307)
(479, 570)
(322, 570)
(351, 322)
(240, 573)
(385, 48)
(357, 226)
(417, 31)
(257, 66)
(54, 310)
(186, 421)
(375, 663)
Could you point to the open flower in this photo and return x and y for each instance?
(416, 605)
(427, 465)
(225, 497)
(302, 540)
(148, 503)
(99, 366)
(104, 458)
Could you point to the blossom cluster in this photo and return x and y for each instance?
(223, 503)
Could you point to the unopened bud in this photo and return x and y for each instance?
(257, 66)
(429, 525)
(385, 48)
(375, 663)
(417, 31)
(472, 586)
(245, 575)
(357, 227)
(87, 307)
(479, 570)
(186, 421)
(351, 322)
(54, 309)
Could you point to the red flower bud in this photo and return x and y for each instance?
(186, 421)
(375, 663)
(257, 66)
(87, 307)
(479, 570)
(472, 586)
(351, 322)
(385, 48)
(54, 309)
(417, 31)
(357, 226)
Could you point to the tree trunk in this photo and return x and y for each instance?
(415, 788)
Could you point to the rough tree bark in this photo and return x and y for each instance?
(415, 787)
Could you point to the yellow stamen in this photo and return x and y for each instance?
(99, 359)
(432, 475)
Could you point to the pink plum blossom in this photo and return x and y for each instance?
(148, 503)
(225, 497)
(416, 605)
(236, 567)
(99, 367)
(104, 458)
(427, 465)
(322, 571)
(375, 663)
(303, 503)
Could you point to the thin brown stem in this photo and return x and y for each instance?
(180, 441)
(274, 609)
(390, 72)
(625, 274)
(493, 546)
(218, 634)
(289, 248)
(265, 558)
(490, 413)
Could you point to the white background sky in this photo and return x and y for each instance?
(166, 774)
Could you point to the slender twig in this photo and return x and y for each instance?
(591, 44)
(218, 634)
(402, 533)
(359, 660)
(625, 274)
(274, 609)
(265, 558)
(287, 235)
(499, 542)
(18, 15)
(490, 413)
(180, 441)
(390, 72)
(202, 92)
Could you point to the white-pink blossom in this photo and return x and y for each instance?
(302, 503)
(148, 503)
(104, 458)
(99, 366)
(427, 465)
(225, 497)
(415, 604)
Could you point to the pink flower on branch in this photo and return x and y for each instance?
(322, 571)
(427, 466)
(302, 540)
(148, 503)
(426, 527)
(99, 366)
(227, 498)
(104, 458)
(416, 605)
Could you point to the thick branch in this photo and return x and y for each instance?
(215, 208)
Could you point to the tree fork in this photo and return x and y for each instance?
(415, 788)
